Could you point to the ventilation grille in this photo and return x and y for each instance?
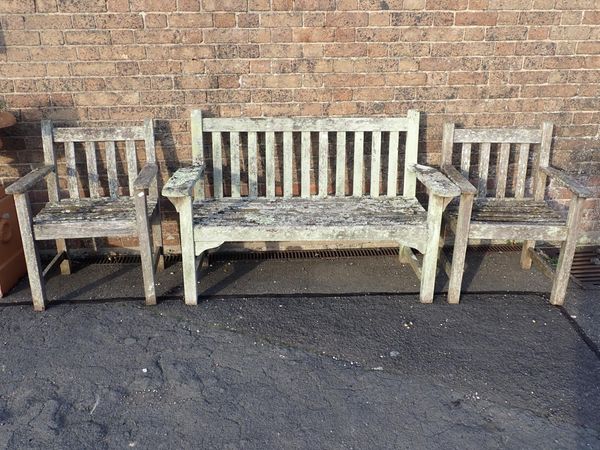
(586, 265)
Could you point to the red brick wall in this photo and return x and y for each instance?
(475, 62)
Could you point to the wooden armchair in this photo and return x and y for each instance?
(507, 198)
(134, 214)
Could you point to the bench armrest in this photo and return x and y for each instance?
(435, 181)
(459, 179)
(26, 182)
(571, 183)
(182, 183)
(145, 177)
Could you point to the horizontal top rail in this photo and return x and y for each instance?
(304, 124)
(497, 135)
(98, 134)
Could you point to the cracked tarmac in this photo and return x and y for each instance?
(264, 365)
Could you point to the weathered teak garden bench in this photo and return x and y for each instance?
(507, 198)
(133, 214)
(245, 208)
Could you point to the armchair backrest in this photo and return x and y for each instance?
(269, 157)
(500, 162)
(121, 148)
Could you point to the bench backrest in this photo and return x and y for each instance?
(261, 157)
(500, 162)
(80, 147)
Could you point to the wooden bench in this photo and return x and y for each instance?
(108, 211)
(503, 183)
(240, 205)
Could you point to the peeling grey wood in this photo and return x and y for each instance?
(568, 181)
(457, 178)
(287, 164)
(234, 140)
(252, 164)
(132, 170)
(72, 182)
(50, 159)
(435, 181)
(430, 255)
(512, 136)
(305, 123)
(92, 168)
(197, 149)
(323, 163)
(358, 176)
(447, 144)
(340, 164)
(182, 182)
(375, 163)
(465, 160)
(461, 240)
(522, 163)
(543, 159)
(98, 134)
(188, 254)
(392, 179)
(26, 182)
(143, 232)
(502, 172)
(146, 177)
(217, 161)
(270, 164)
(305, 164)
(484, 167)
(410, 157)
(111, 170)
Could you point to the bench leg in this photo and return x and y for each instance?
(188, 253)
(429, 269)
(157, 239)
(141, 209)
(525, 256)
(461, 239)
(32, 257)
(65, 265)
(567, 251)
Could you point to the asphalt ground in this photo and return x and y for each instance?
(325, 353)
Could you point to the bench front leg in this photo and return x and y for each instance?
(430, 258)
(461, 239)
(188, 253)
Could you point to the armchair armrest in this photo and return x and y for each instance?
(459, 179)
(182, 183)
(571, 183)
(435, 181)
(145, 177)
(26, 182)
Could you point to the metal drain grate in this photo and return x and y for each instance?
(586, 265)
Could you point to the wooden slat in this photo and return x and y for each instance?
(502, 172)
(375, 163)
(217, 160)
(305, 123)
(270, 163)
(197, 149)
(410, 158)
(111, 169)
(92, 167)
(287, 164)
(71, 170)
(392, 181)
(305, 164)
(234, 140)
(539, 177)
(50, 159)
(500, 135)
(99, 134)
(132, 170)
(484, 163)
(465, 159)
(323, 162)
(149, 147)
(357, 180)
(340, 164)
(252, 164)
(522, 170)
(447, 144)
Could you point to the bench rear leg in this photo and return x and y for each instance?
(430, 258)
(65, 265)
(525, 256)
(157, 239)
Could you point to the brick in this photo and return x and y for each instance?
(47, 22)
(224, 20)
(225, 5)
(216, 35)
(155, 21)
(591, 18)
(347, 19)
(271, 20)
(190, 20)
(506, 33)
(90, 37)
(12, 37)
(476, 18)
(588, 48)
(102, 68)
(116, 21)
(314, 5)
(313, 34)
(17, 6)
(87, 6)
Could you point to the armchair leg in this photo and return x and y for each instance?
(188, 253)
(461, 239)
(525, 256)
(157, 240)
(567, 251)
(429, 269)
(65, 265)
(141, 209)
(32, 257)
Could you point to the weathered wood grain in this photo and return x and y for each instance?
(300, 124)
(323, 163)
(340, 164)
(111, 170)
(146, 177)
(98, 134)
(358, 175)
(511, 136)
(287, 164)
(26, 182)
(568, 181)
(305, 164)
(182, 182)
(217, 162)
(375, 163)
(392, 175)
(435, 181)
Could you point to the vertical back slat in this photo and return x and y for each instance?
(234, 141)
(357, 180)
(392, 181)
(323, 162)
(50, 159)
(111, 170)
(542, 160)
(92, 167)
(484, 165)
(252, 164)
(465, 159)
(72, 182)
(375, 163)
(150, 154)
(270, 163)
(412, 145)
(287, 163)
(305, 164)
(132, 170)
(340, 164)
(523, 158)
(197, 149)
(217, 160)
(502, 172)
(447, 144)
